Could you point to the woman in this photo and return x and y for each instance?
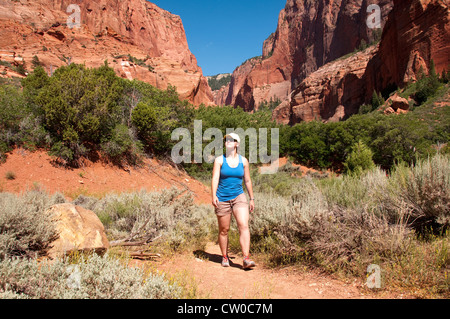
(228, 198)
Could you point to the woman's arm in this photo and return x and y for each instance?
(248, 183)
(215, 181)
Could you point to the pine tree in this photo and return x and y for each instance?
(377, 100)
(359, 160)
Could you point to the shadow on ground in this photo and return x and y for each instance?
(215, 258)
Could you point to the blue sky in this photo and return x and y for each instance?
(224, 33)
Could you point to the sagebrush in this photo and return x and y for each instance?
(397, 219)
(26, 229)
(169, 215)
(93, 277)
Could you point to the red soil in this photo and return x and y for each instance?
(37, 169)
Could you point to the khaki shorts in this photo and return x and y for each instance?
(226, 208)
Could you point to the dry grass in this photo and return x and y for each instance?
(345, 224)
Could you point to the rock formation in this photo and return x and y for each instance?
(417, 31)
(331, 93)
(309, 34)
(139, 40)
(79, 229)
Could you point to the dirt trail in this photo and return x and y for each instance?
(213, 281)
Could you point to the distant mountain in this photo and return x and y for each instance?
(218, 81)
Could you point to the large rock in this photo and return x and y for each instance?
(110, 30)
(332, 93)
(398, 103)
(79, 230)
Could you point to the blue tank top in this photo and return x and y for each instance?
(230, 182)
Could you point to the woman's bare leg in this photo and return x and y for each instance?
(224, 227)
(242, 218)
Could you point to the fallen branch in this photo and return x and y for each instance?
(144, 256)
(128, 241)
(124, 243)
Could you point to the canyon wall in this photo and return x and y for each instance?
(309, 35)
(416, 32)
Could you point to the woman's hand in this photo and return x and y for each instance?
(215, 201)
(252, 205)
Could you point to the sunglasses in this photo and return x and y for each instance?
(230, 140)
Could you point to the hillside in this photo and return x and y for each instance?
(37, 170)
(139, 40)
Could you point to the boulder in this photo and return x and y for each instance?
(399, 103)
(389, 110)
(79, 230)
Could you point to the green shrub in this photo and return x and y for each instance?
(121, 146)
(314, 228)
(359, 160)
(92, 278)
(377, 100)
(353, 191)
(81, 111)
(426, 86)
(21, 69)
(144, 118)
(365, 108)
(270, 211)
(35, 61)
(12, 108)
(281, 183)
(78, 106)
(18, 125)
(307, 144)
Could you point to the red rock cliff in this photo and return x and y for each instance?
(417, 31)
(309, 34)
(110, 30)
(332, 93)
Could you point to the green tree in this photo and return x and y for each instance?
(399, 139)
(144, 118)
(359, 160)
(426, 86)
(308, 144)
(120, 146)
(35, 62)
(78, 106)
(377, 100)
(32, 84)
(339, 140)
